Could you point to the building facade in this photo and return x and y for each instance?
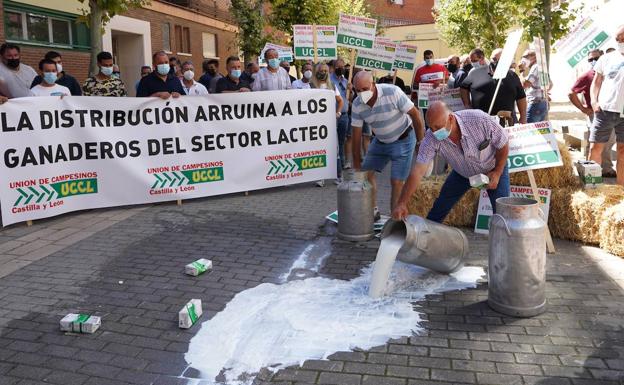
(402, 12)
(188, 29)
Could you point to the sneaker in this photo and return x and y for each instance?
(320, 183)
(347, 165)
(337, 181)
(376, 214)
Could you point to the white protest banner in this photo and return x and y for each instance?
(325, 42)
(584, 37)
(542, 64)
(381, 57)
(284, 53)
(507, 56)
(532, 146)
(423, 94)
(75, 153)
(356, 31)
(484, 212)
(405, 58)
(450, 96)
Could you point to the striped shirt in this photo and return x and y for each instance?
(387, 117)
(271, 81)
(476, 127)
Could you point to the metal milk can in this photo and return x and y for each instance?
(517, 260)
(355, 207)
(429, 244)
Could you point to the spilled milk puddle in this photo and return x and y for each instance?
(311, 317)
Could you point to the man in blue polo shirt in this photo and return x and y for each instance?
(160, 82)
(397, 125)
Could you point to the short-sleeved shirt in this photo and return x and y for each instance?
(482, 88)
(66, 81)
(300, 85)
(107, 87)
(205, 79)
(611, 67)
(476, 127)
(227, 84)
(534, 93)
(16, 84)
(152, 83)
(212, 88)
(272, 81)
(430, 74)
(582, 85)
(56, 90)
(197, 89)
(388, 117)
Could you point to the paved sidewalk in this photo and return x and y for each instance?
(130, 271)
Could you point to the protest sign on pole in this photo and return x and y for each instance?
(381, 57)
(504, 63)
(423, 95)
(284, 53)
(405, 58)
(542, 64)
(303, 39)
(76, 153)
(356, 31)
(582, 38)
(450, 96)
(532, 146)
(484, 211)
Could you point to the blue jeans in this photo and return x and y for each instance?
(536, 112)
(400, 153)
(454, 189)
(342, 125)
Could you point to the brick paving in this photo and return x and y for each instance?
(130, 272)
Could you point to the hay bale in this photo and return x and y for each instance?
(577, 214)
(612, 230)
(462, 215)
(553, 177)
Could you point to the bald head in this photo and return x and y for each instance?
(363, 81)
(438, 115)
(496, 54)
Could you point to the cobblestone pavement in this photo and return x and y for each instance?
(130, 272)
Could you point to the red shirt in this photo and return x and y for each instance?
(430, 74)
(583, 85)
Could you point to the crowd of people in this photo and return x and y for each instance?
(377, 121)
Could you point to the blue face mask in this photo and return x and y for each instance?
(50, 77)
(274, 63)
(442, 133)
(163, 69)
(476, 65)
(429, 62)
(236, 73)
(106, 71)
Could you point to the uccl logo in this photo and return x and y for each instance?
(282, 166)
(45, 193)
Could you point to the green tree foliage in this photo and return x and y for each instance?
(98, 15)
(250, 18)
(466, 24)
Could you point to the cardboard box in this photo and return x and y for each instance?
(198, 267)
(80, 323)
(479, 181)
(190, 313)
(590, 173)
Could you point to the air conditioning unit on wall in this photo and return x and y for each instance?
(396, 2)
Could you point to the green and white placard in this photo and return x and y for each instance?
(423, 94)
(405, 58)
(284, 53)
(532, 146)
(484, 212)
(584, 37)
(356, 31)
(381, 57)
(325, 42)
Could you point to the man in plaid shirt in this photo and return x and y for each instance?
(472, 143)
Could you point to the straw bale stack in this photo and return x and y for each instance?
(550, 177)
(612, 229)
(464, 212)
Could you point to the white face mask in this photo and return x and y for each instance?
(366, 95)
(59, 67)
(189, 75)
(307, 74)
(323, 86)
(621, 47)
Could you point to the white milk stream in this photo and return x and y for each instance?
(386, 255)
(276, 326)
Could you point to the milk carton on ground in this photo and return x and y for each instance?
(190, 313)
(198, 267)
(80, 323)
(479, 181)
(590, 173)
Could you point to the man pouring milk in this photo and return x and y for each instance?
(474, 146)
